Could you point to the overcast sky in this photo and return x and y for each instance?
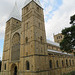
(57, 14)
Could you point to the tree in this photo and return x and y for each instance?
(68, 43)
(72, 18)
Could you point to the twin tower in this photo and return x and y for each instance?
(25, 49)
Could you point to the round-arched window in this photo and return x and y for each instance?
(27, 65)
(50, 64)
(15, 52)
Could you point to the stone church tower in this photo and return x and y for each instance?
(25, 50)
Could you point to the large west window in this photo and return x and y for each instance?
(15, 52)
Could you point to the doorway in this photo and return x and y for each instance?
(13, 69)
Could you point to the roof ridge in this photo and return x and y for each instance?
(28, 1)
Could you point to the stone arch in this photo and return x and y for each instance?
(14, 69)
(15, 52)
(16, 38)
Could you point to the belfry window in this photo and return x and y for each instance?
(50, 64)
(38, 9)
(26, 39)
(74, 53)
(27, 9)
(27, 65)
(61, 36)
(39, 24)
(41, 39)
(27, 25)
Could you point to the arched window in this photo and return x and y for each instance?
(27, 65)
(38, 9)
(27, 25)
(50, 63)
(26, 39)
(73, 62)
(5, 66)
(27, 9)
(41, 39)
(15, 52)
(66, 62)
(16, 39)
(70, 62)
(39, 24)
(57, 64)
(62, 63)
(61, 36)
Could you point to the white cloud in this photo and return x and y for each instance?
(0, 55)
(61, 17)
(59, 20)
(6, 7)
(2, 26)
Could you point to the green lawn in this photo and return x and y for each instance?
(71, 73)
(0, 73)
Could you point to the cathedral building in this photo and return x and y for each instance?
(26, 49)
(58, 37)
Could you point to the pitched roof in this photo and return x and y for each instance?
(28, 1)
(59, 52)
(53, 43)
(15, 13)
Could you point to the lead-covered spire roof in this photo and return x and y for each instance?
(28, 1)
(15, 13)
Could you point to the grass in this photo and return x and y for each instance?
(71, 73)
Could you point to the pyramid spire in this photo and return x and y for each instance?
(28, 1)
(15, 13)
